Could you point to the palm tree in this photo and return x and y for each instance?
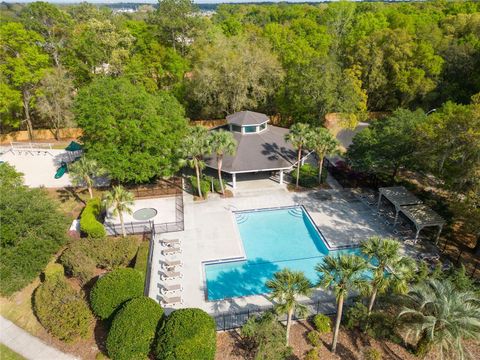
(120, 200)
(390, 269)
(285, 286)
(323, 143)
(439, 316)
(341, 273)
(298, 136)
(222, 142)
(84, 171)
(194, 146)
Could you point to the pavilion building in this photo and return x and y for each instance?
(261, 148)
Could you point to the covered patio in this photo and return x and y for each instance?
(262, 151)
(412, 208)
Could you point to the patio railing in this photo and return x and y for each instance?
(141, 227)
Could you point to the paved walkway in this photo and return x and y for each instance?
(28, 345)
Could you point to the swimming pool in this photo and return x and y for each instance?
(273, 239)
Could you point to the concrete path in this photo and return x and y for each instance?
(28, 345)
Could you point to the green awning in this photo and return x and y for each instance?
(74, 146)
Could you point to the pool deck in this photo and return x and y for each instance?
(211, 234)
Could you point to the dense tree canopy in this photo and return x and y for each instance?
(32, 231)
(297, 61)
(131, 133)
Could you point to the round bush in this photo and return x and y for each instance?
(113, 289)
(53, 272)
(322, 323)
(187, 334)
(133, 329)
(62, 310)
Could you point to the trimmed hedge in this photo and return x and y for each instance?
(133, 329)
(60, 309)
(89, 223)
(53, 271)
(141, 259)
(114, 289)
(83, 255)
(187, 334)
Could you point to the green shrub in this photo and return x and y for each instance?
(61, 310)
(322, 323)
(381, 325)
(308, 176)
(133, 329)
(89, 223)
(77, 260)
(83, 255)
(53, 272)
(356, 317)
(187, 334)
(205, 186)
(32, 230)
(371, 354)
(264, 337)
(114, 289)
(111, 253)
(312, 354)
(141, 259)
(313, 338)
(216, 185)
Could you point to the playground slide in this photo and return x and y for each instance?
(61, 170)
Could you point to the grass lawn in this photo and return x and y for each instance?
(72, 201)
(7, 354)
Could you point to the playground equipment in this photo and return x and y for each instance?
(61, 170)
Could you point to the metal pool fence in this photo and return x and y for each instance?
(141, 227)
(233, 320)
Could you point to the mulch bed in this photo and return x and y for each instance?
(351, 345)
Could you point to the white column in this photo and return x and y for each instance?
(281, 177)
(234, 180)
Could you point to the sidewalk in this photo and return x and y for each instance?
(27, 345)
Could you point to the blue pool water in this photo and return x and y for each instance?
(273, 240)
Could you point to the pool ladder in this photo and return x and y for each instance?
(241, 218)
(297, 212)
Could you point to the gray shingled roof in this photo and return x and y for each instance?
(260, 151)
(247, 118)
(345, 136)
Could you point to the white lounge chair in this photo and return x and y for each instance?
(171, 264)
(170, 242)
(171, 251)
(174, 300)
(169, 289)
(170, 275)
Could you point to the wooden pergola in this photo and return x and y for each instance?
(423, 216)
(399, 196)
(412, 207)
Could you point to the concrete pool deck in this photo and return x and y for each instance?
(211, 234)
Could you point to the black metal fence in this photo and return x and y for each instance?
(151, 239)
(141, 227)
(233, 320)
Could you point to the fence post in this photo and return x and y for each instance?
(223, 315)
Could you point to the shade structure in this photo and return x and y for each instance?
(423, 216)
(398, 196)
(74, 146)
